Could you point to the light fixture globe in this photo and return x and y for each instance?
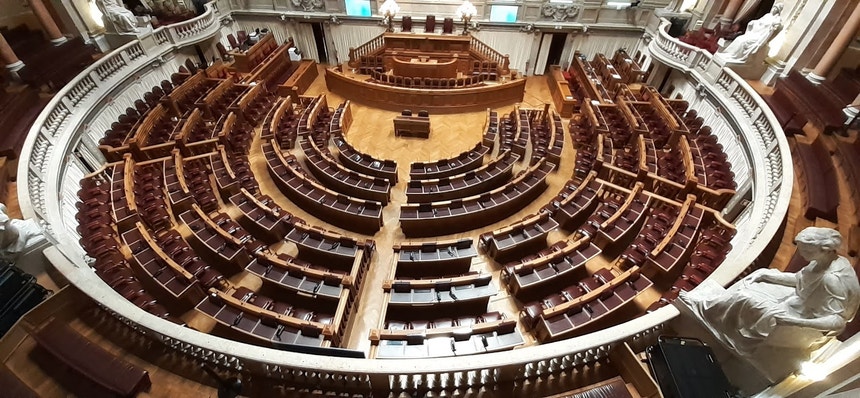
(465, 12)
(389, 9)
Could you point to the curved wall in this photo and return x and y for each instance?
(60, 148)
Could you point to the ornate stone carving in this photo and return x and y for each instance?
(787, 310)
(758, 33)
(310, 5)
(530, 28)
(17, 236)
(560, 12)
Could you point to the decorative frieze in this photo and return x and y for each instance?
(560, 12)
(309, 5)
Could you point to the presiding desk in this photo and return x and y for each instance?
(412, 126)
(425, 67)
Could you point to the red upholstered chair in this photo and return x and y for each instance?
(190, 65)
(430, 24)
(234, 44)
(406, 24)
(448, 26)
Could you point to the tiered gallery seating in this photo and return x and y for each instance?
(184, 219)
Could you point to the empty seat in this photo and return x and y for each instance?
(430, 24)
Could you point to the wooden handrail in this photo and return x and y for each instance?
(369, 47)
(633, 194)
(479, 47)
(268, 257)
(479, 328)
(682, 214)
(462, 280)
(327, 330)
(590, 296)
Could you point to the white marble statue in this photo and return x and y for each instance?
(758, 32)
(122, 19)
(16, 236)
(787, 310)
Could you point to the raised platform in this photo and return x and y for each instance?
(355, 87)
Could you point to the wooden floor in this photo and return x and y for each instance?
(372, 133)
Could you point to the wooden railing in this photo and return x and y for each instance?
(490, 54)
(368, 48)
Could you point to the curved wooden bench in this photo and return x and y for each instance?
(473, 182)
(518, 238)
(358, 215)
(434, 258)
(468, 160)
(362, 163)
(341, 179)
(472, 212)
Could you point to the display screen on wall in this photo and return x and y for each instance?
(503, 13)
(358, 8)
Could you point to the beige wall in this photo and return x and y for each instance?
(16, 12)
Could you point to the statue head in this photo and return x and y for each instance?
(777, 9)
(813, 242)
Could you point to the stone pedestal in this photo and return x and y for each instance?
(116, 40)
(772, 72)
(751, 69)
(775, 358)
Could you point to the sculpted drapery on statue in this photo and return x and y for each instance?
(758, 33)
(783, 309)
(122, 19)
(16, 236)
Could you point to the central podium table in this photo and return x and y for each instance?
(412, 126)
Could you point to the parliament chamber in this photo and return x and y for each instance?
(424, 216)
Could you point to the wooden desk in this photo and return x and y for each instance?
(246, 61)
(412, 126)
(424, 67)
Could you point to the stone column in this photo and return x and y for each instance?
(47, 22)
(10, 60)
(837, 48)
(729, 14)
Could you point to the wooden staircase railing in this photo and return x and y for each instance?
(368, 48)
(480, 48)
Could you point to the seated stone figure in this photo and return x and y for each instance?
(120, 17)
(757, 34)
(16, 236)
(793, 311)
